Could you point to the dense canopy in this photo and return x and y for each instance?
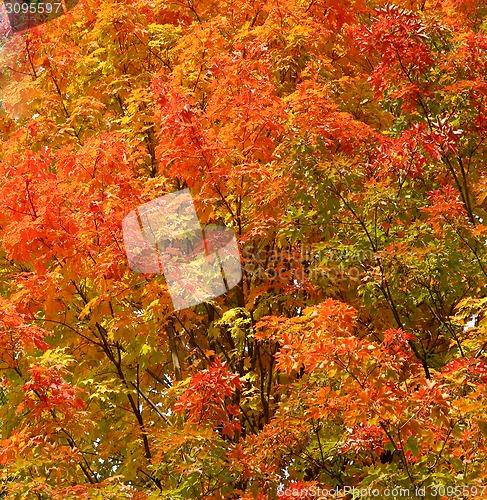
(344, 142)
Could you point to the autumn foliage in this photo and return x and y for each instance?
(344, 141)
